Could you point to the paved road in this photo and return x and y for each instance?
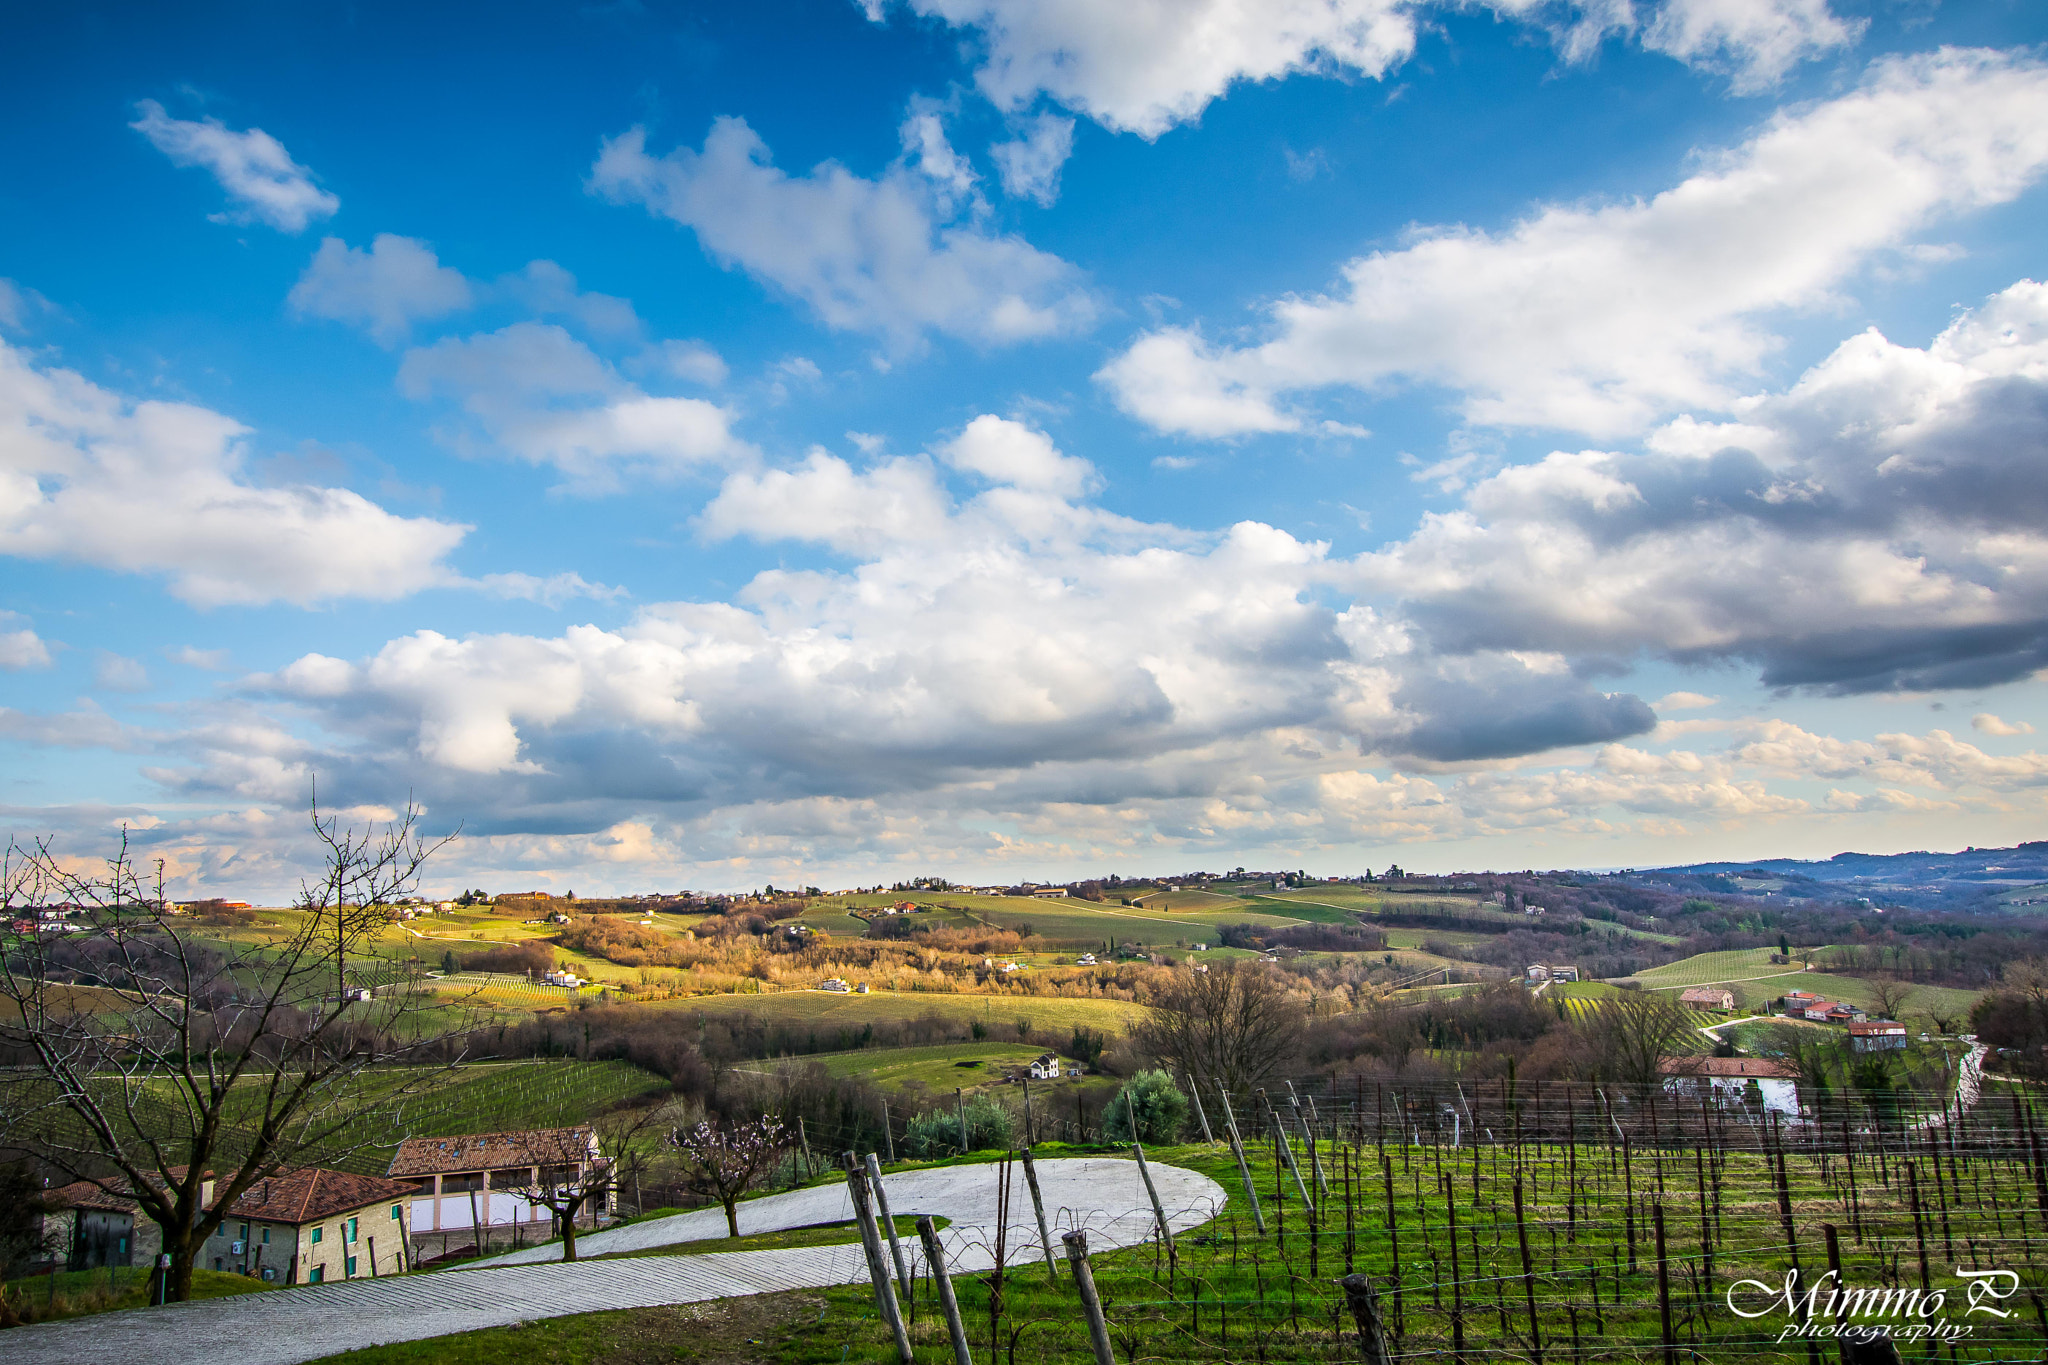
(1101, 1194)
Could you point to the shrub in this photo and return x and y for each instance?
(1161, 1109)
(990, 1126)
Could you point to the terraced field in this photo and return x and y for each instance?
(1087, 924)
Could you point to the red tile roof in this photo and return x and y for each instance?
(311, 1193)
(1749, 1068)
(489, 1151)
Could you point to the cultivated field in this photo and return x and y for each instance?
(1750, 974)
(1049, 1015)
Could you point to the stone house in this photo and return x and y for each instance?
(1877, 1035)
(313, 1226)
(1708, 998)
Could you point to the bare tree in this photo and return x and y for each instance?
(1890, 995)
(155, 1059)
(578, 1167)
(724, 1162)
(1232, 1026)
(1635, 1030)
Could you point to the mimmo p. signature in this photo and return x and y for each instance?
(1830, 1306)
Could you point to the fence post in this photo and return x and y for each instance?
(1052, 1267)
(1027, 1110)
(1664, 1288)
(1286, 1150)
(888, 1222)
(960, 1108)
(1158, 1211)
(1365, 1311)
(1528, 1276)
(888, 1133)
(1450, 1189)
(1244, 1169)
(878, 1264)
(1091, 1304)
(935, 1261)
(1195, 1091)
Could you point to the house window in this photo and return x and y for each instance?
(316, 1235)
(351, 1270)
(266, 1236)
(348, 1231)
(319, 1272)
(394, 1213)
(243, 1236)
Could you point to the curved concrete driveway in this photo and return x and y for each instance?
(1101, 1194)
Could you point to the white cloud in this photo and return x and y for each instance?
(253, 167)
(827, 501)
(1004, 451)
(210, 660)
(547, 290)
(21, 649)
(692, 361)
(158, 488)
(1986, 723)
(1030, 163)
(1685, 701)
(1756, 42)
(397, 282)
(545, 397)
(1600, 318)
(113, 672)
(881, 256)
(1142, 66)
(1936, 760)
(1876, 526)
(552, 591)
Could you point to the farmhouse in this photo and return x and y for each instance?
(1708, 998)
(1046, 1068)
(311, 1226)
(1877, 1035)
(473, 1182)
(1050, 892)
(1833, 1012)
(85, 1226)
(1758, 1084)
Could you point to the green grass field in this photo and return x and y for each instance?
(1756, 981)
(940, 1067)
(1048, 1014)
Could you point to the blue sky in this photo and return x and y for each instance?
(714, 445)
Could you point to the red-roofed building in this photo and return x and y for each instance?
(313, 1226)
(1877, 1035)
(470, 1184)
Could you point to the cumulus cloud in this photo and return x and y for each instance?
(397, 282)
(886, 256)
(1004, 451)
(113, 672)
(1876, 526)
(159, 488)
(542, 396)
(266, 185)
(1601, 318)
(1986, 723)
(22, 648)
(1143, 66)
(1030, 163)
(1756, 44)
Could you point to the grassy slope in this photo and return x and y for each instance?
(937, 1067)
(1755, 980)
(1048, 1014)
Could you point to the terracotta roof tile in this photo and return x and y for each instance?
(311, 1193)
(489, 1151)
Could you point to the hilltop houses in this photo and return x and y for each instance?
(1718, 998)
(1877, 1035)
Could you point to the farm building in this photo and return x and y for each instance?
(462, 1184)
(1708, 998)
(1877, 1035)
(1833, 1012)
(310, 1226)
(1754, 1083)
(1046, 1068)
